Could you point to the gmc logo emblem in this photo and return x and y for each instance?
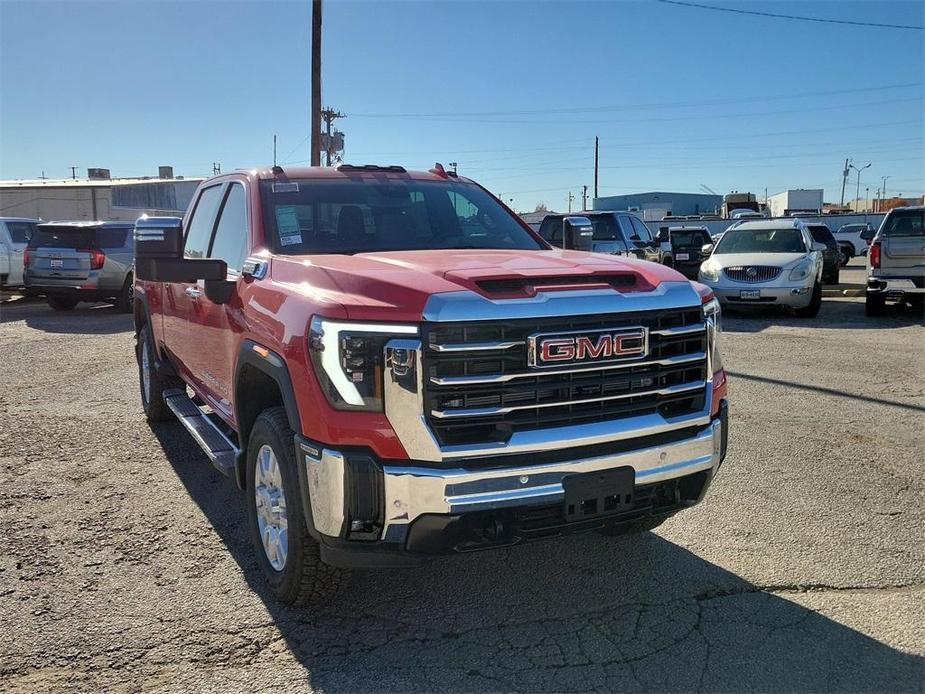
(544, 350)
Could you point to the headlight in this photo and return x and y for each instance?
(802, 270)
(710, 271)
(712, 316)
(348, 360)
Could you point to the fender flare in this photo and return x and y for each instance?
(273, 366)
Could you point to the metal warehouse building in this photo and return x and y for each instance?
(655, 205)
(96, 198)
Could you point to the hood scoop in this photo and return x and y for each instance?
(529, 286)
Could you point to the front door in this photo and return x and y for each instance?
(179, 297)
(217, 327)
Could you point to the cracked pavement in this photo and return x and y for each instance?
(124, 562)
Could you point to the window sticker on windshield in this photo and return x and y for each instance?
(287, 224)
(285, 187)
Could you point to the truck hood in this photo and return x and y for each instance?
(395, 286)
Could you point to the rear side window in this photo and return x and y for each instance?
(199, 230)
(605, 229)
(61, 237)
(230, 240)
(111, 238)
(641, 230)
(20, 232)
(905, 223)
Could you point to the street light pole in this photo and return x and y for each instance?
(883, 187)
(857, 194)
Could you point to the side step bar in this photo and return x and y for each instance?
(216, 445)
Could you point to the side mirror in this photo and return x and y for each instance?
(577, 233)
(159, 254)
(706, 249)
(818, 246)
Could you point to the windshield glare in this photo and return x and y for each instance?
(362, 215)
(761, 241)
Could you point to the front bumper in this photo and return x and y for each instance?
(794, 295)
(368, 513)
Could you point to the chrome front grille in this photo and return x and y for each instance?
(478, 387)
(752, 273)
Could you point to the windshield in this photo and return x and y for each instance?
(363, 215)
(761, 241)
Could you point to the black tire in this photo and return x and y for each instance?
(152, 402)
(815, 303)
(874, 305)
(833, 278)
(125, 302)
(303, 578)
(634, 527)
(848, 251)
(62, 303)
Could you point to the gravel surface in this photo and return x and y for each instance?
(125, 565)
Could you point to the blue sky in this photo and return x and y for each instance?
(513, 91)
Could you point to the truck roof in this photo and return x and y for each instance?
(345, 171)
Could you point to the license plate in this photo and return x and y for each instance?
(683, 256)
(592, 494)
(750, 294)
(57, 263)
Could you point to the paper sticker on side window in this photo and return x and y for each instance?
(287, 225)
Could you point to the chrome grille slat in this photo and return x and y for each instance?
(744, 273)
(475, 346)
(505, 378)
(489, 411)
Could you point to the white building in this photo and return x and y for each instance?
(800, 200)
(96, 198)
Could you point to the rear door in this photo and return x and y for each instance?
(902, 244)
(644, 240)
(216, 327)
(60, 255)
(179, 340)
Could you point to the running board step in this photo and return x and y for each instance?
(216, 445)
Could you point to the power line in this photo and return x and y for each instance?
(663, 104)
(791, 16)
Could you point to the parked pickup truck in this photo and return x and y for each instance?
(393, 366)
(619, 233)
(896, 260)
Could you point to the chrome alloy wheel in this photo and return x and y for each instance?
(146, 371)
(271, 508)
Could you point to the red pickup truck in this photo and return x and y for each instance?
(393, 366)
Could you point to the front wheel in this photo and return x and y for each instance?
(125, 302)
(289, 557)
(815, 303)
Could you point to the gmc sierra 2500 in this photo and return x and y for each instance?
(393, 366)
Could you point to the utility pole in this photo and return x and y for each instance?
(43, 176)
(584, 197)
(596, 160)
(74, 173)
(883, 187)
(844, 180)
(570, 198)
(274, 150)
(329, 115)
(866, 200)
(316, 84)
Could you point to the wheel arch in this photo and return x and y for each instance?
(261, 380)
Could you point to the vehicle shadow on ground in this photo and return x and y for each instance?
(85, 319)
(835, 314)
(637, 613)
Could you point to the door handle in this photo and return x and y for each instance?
(193, 292)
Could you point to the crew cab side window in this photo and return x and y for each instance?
(199, 229)
(230, 240)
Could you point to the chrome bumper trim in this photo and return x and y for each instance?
(413, 491)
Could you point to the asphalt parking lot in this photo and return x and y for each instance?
(124, 562)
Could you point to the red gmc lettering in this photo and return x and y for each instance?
(562, 349)
(585, 349)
